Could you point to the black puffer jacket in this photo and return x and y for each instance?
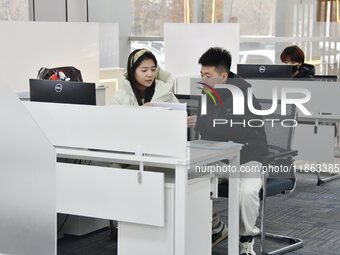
(304, 71)
(254, 138)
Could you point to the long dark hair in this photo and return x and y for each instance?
(134, 60)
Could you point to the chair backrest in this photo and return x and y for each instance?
(193, 108)
(280, 133)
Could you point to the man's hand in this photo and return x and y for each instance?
(191, 120)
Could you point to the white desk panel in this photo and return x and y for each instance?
(110, 193)
(198, 153)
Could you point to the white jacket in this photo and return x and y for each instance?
(163, 91)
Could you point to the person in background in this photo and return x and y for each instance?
(294, 55)
(144, 82)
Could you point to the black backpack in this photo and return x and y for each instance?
(72, 73)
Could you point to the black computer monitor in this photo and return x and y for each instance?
(331, 78)
(257, 71)
(69, 92)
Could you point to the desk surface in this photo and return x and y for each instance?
(321, 117)
(198, 152)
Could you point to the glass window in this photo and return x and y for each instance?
(14, 10)
(156, 47)
(256, 17)
(213, 11)
(150, 15)
(266, 27)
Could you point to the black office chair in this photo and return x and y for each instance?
(280, 140)
(193, 108)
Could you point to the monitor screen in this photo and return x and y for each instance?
(68, 92)
(256, 71)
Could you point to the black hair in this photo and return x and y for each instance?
(294, 53)
(217, 57)
(132, 65)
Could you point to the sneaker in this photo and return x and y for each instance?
(219, 234)
(247, 248)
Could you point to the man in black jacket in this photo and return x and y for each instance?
(215, 69)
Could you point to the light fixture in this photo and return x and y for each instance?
(186, 11)
(213, 11)
(337, 11)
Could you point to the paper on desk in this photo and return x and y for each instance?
(171, 106)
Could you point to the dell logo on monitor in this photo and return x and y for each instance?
(58, 88)
(262, 69)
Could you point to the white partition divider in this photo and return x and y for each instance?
(324, 99)
(314, 146)
(28, 46)
(27, 181)
(185, 43)
(324, 95)
(109, 45)
(182, 84)
(115, 128)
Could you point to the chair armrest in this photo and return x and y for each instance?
(270, 158)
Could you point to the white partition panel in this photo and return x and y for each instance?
(109, 45)
(76, 11)
(185, 43)
(318, 147)
(117, 128)
(27, 46)
(324, 99)
(324, 95)
(27, 182)
(43, 10)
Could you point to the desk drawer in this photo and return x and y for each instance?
(162, 239)
(110, 193)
